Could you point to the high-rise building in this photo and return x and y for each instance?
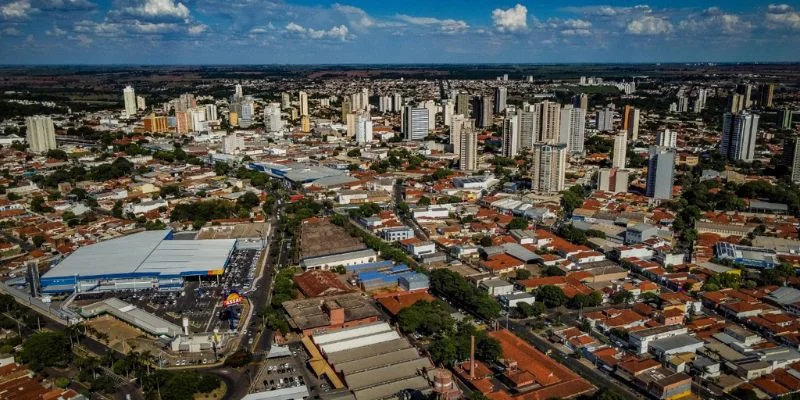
(482, 111)
(346, 108)
(197, 118)
(660, 173)
(791, 156)
(40, 134)
(272, 117)
(739, 133)
(237, 93)
(500, 98)
(430, 105)
(303, 103)
(352, 119)
(232, 144)
(468, 153)
(549, 121)
(363, 128)
(305, 123)
(286, 100)
(667, 138)
(746, 90)
(211, 112)
(700, 102)
(735, 103)
(613, 180)
(511, 136)
(185, 102)
(631, 122)
(765, 93)
(397, 102)
(620, 149)
(385, 104)
(549, 167)
(785, 116)
(462, 105)
(233, 118)
(528, 129)
(448, 110)
(129, 98)
(605, 120)
(683, 104)
(573, 125)
(415, 122)
(140, 103)
(156, 124)
(581, 101)
(182, 122)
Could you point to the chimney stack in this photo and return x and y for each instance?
(472, 357)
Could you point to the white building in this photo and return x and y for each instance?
(415, 122)
(573, 125)
(129, 98)
(363, 128)
(549, 167)
(211, 112)
(232, 144)
(667, 139)
(620, 149)
(272, 117)
(468, 153)
(511, 136)
(303, 103)
(40, 134)
(739, 136)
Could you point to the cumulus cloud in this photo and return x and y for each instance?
(11, 31)
(444, 25)
(514, 19)
(55, 31)
(160, 9)
(83, 40)
(610, 11)
(66, 5)
(782, 16)
(714, 20)
(340, 32)
(649, 25)
(356, 17)
(18, 9)
(197, 29)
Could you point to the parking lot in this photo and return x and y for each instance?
(200, 300)
(283, 372)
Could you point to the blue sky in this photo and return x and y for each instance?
(381, 31)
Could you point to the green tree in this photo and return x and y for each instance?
(424, 201)
(522, 274)
(248, 200)
(46, 349)
(551, 295)
(518, 223)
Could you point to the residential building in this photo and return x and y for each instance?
(631, 122)
(667, 139)
(528, 128)
(156, 124)
(462, 104)
(549, 167)
(129, 99)
(363, 131)
(482, 111)
(549, 121)
(500, 97)
(660, 173)
(303, 103)
(573, 124)
(415, 122)
(511, 136)
(765, 93)
(620, 149)
(785, 118)
(468, 149)
(612, 180)
(456, 127)
(605, 120)
(791, 156)
(40, 134)
(739, 132)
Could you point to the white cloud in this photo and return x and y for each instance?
(197, 29)
(511, 20)
(16, 9)
(649, 25)
(55, 31)
(340, 32)
(577, 24)
(610, 11)
(11, 31)
(83, 40)
(576, 32)
(714, 20)
(66, 5)
(444, 25)
(160, 9)
(782, 16)
(356, 17)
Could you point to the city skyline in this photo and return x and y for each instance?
(361, 32)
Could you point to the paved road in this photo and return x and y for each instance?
(594, 375)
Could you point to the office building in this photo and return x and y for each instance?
(457, 126)
(129, 98)
(40, 134)
(468, 153)
(286, 100)
(415, 122)
(765, 93)
(482, 111)
(430, 105)
(549, 167)
(549, 121)
(631, 122)
(572, 125)
(246, 113)
(785, 116)
(581, 101)
(156, 124)
(140, 103)
(791, 156)
(667, 139)
(462, 105)
(363, 128)
(500, 98)
(660, 173)
(211, 112)
(272, 117)
(739, 133)
(303, 103)
(620, 150)
(528, 129)
(613, 180)
(605, 120)
(511, 136)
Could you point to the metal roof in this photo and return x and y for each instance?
(148, 253)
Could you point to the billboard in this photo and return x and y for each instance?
(232, 300)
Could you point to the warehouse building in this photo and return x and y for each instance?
(144, 260)
(327, 313)
(373, 361)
